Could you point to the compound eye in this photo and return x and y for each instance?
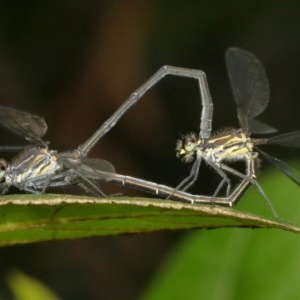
(3, 167)
(190, 146)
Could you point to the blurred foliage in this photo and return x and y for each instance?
(235, 264)
(24, 287)
(229, 264)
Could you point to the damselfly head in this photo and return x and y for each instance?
(187, 146)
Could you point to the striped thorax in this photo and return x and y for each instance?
(228, 145)
(32, 163)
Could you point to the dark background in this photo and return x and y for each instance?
(75, 63)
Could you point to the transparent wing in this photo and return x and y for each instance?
(12, 148)
(32, 127)
(92, 168)
(256, 126)
(289, 171)
(249, 84)
(290, 139)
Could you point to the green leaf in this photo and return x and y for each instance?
(34, 218)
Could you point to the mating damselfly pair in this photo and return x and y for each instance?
(37, 167)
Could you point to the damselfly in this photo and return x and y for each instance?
(251, 92)
(37, 167)
(250, 88)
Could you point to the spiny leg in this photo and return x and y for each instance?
(251, 177)
(221, 184)
(88, 185)
(225, 178)
(191, 178)
(70, 177)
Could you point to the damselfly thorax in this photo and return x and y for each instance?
(32, 163)
(37, 167)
